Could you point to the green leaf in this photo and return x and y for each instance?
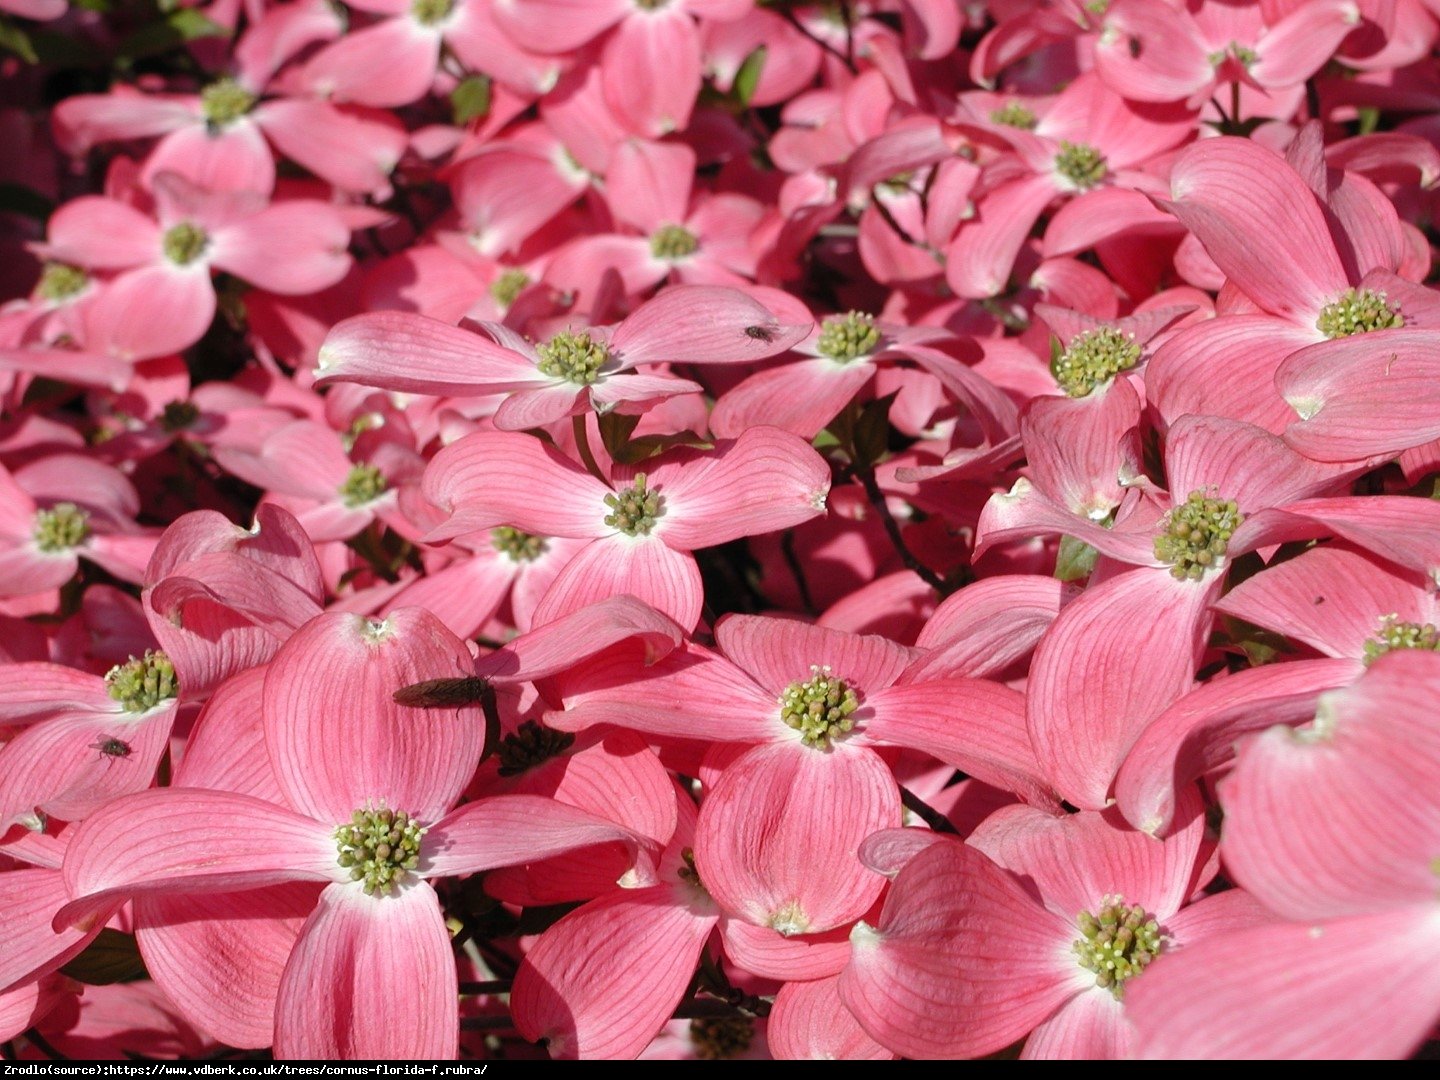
(15, 40)
(174, 28)
(748, 77)
(470, 100)
(110, 958)
(1075, 560)
(872, 430)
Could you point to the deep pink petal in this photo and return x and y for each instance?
(152, 311)
(1115, 657)
(770, 954)
(291, 248)
(185, 840)
(353, 152)
(800, 398)
(103, 234)
(32, 947)
(619, 565)
(987, 626)
(552, 647)
(1286, 990)
(979, 262)
(1242, 462)
(777, 838)
(385, 65)
(809, 1022)
(1090, 1026)
(779, 652)
(952, 911)
(233, 159)
(664, 45)
(330, 687)
(371, 977)
(702, 324)
(570, 991)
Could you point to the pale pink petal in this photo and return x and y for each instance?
(539, 407)
(1116, 656)
(371, 977)
(766, 480)
(353, 152)
(1150, 52)
(664, 45)
(777, 837)
(289, 248)
(552, 647)
(648, 183)
(979, 262)
(1335, 817)
(388, 64)
(703, 324)
(952, 910)
(233, 159)
(569, 991)
(810, 1023)
(396, 350)
(619, 565)
(800, 398)
(32, 947)
(152, 311)
(770, 954)
(1286, 991)
(1241, 462)
(1364, 395)
(505, 194)
(492, 478)
(1298, 45)
(185, 840)
(1091, 1026)
(987, 626)
(510, 830)
(1222, 187)
(1024, 511)
(558, 25)
(102, 234)
(778, 652)
(330, 687)
(86, 120)
(219, 957)
(1197, 733)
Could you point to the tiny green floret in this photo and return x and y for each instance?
(379, 847)
(143, 682)
(508, 286)
(225, 101)
(651, 5)
(1118, 943)
(1359, 311)
(516, 545)
(576, 358)
(1015, 115)
(1394, 634)
(60, 281)
(1093, 359)
(717, 1038)
(1195, 535)
(61, 527)
(184, 243)
(430, 12)
(1081, 164)
(529, 745)
(366, 483)
(635, 510)
(849, 336)
(673, 242)
(819, 708)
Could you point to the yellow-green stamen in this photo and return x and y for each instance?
(143, 682)
(635, 510)
(673, 242)
(1093, 359)
(1195, 535)
(184, 243)
(366, 483)
(1013, 114)
(1081, 164)
(224, 102)
(820, 708)
(517, 545)
(847, 337)
(576, 358)
(1394, 634)
(60, 281)
(1358, 311)
(60, 528)
(430, 12)
(1118, 943)
(508, 286)
(379, 847)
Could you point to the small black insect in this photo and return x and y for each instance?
(760, 333)
(112, 747)
(443, 693)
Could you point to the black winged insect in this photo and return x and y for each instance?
(111, 747)
(760, 333)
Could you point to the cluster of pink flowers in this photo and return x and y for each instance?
(719, 528)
